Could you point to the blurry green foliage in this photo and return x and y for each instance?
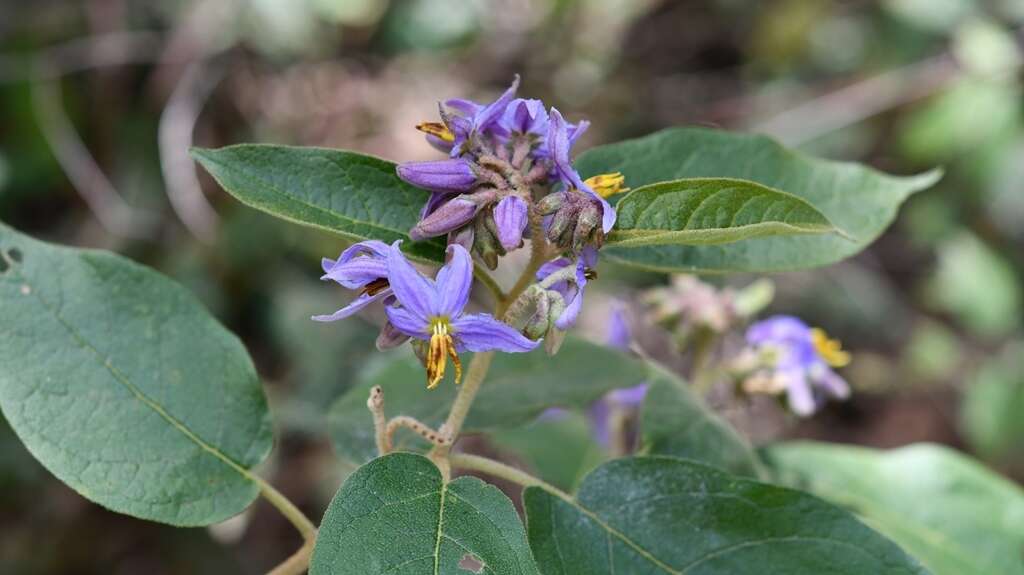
(977, 285)
(992, 415)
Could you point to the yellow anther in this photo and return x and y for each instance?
(607, 185)
(442, 347)
(438, 130)
(830, 350)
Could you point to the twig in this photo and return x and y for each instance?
(499, 469)
(375, 403)
(177, 123)
(438, 438)
(103, 200)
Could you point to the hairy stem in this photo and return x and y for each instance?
(538, 255)
(478, 367)
(376, 406)
(298, 562)
(499, 469)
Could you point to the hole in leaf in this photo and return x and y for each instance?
(15, 255)
(4, 266)
(471, 563)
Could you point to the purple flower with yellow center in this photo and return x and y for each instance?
(798, 360)
(433, 311)
(363, 266)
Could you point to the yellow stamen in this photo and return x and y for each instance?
(830, 350)
(442, 347)
(607, 185)
(438, 130)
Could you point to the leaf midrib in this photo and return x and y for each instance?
(136, 392)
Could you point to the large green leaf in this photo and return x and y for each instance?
(396, 515)
(856, 199)
(676, 422)
(664, 515)
(951, 513)
(518, 388)
(124, 387)
(703, 211)
(357, 196)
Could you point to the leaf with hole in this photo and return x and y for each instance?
(666, 515)
(519, 387)
(124, 387)
(704, 211)
(855, 199)
(396, 515)
(356, 196)
(955, 516)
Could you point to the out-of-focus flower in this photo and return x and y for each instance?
(690, 303)
(619, 401)
(433, 311)
(785, 355)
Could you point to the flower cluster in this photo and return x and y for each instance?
(785, 355)
(508, 177)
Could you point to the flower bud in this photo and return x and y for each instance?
(510, 220)
(551, 203)
(390, 337)
(486, 244)
(454, 175)
(449, 217)
(587, 223)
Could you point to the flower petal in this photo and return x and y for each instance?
(798, 392)
(510, 219)
(357, 272)
(630, 396)
(493, 111)
(415, 292)
(407, 323)
(481, 332)
(454, 282)
(353, 307)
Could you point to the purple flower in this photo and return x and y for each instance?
(799, 362)
(572, 278)
(471, 118)
(620, 400)
(525, 117)
(619, 335)
(363, 267)
(560, 143)
(510, 219)
(432, 310)
(441, 176)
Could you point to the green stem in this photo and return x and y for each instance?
(538, 255)
(299, 561)
(499, 469)
(475, 375)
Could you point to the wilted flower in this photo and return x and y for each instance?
(432, 311)
(786, 355)
(561, 144)
(565, 279)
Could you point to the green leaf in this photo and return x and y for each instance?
(559, 450)
(124, 387)
(665, 515)
(356, 196)
(518, 388)
(676, 422)
(396, 515)
(703, 211)
(955, 516)
(856, 199)
(990, 414)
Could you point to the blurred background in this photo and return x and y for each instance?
(100, 100)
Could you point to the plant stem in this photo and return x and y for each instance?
(538, 255)
(298, 562)
(499, 469)
(478, 367)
